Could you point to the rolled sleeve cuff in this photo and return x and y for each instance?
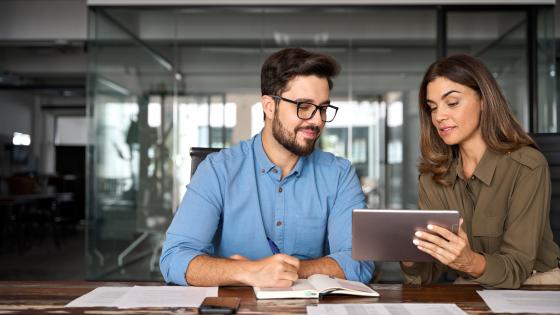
(353, 270)
(494, 270)
(178, 267)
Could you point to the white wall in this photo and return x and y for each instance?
(71, 130)
(45, 127)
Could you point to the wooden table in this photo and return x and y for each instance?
(50, 297)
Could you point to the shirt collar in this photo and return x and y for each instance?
(265, 165)
(487, 166)
(484, 171)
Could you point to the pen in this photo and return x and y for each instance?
(273, 246)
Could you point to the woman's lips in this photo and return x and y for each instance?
(444, 131)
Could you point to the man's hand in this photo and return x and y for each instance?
(275, 271)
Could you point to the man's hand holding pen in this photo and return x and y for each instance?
(279, 270)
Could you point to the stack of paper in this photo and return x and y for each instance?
(385, 308)
(144, 296)
(520, 301)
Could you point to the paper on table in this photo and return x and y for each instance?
(150, 296)
(165, 296)
(521, 301)
(386, 309)
(100, 297)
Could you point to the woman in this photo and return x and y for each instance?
(476, 158)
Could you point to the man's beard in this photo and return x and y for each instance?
(282, 135)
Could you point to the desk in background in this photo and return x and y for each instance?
(25, 219)
(43, 297)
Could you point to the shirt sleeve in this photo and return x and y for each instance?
(193, 227)
(349, 196)
(426, 272)
(523, 229)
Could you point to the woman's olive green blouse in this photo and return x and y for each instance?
(505, 206)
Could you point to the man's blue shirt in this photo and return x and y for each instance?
(236, 199)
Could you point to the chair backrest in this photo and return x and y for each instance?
(549, 144)
(198, 155)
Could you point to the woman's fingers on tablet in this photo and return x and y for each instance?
(443, 232)
(432, 238)
(435, 251)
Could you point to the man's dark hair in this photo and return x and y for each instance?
(284, 65)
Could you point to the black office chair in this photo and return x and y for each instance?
(549, 144)
(198, 155)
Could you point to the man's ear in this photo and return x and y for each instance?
(269, 106)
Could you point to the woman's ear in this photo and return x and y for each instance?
(268, 106)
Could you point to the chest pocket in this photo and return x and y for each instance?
(310, 237)
(487, 233)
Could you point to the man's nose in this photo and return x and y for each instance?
(316, 119)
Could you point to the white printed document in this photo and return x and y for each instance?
(386, 309)
(521, 301)
(100, 297)
(145, 296)
(165, 296)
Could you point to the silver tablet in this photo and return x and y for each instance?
(386, 235)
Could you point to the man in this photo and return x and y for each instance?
(265, 212)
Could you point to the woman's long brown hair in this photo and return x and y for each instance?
(500, 129)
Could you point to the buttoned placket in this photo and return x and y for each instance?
(279, 207)
(472, 198)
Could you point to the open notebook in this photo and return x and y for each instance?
(313, 287)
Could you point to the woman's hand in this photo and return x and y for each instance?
(451, 249)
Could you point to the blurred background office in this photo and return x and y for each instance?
(101, 101)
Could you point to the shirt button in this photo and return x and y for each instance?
(280, 189)
(278, 223)
(472, 177)
(274, 171)
(262, 170)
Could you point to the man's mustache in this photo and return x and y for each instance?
(311, 128)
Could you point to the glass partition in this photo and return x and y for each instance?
(547, 108)
(499, 39)
(502, 38)
(131, 173)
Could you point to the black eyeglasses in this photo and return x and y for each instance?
(306, 110)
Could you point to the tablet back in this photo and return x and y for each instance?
(386, 235)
